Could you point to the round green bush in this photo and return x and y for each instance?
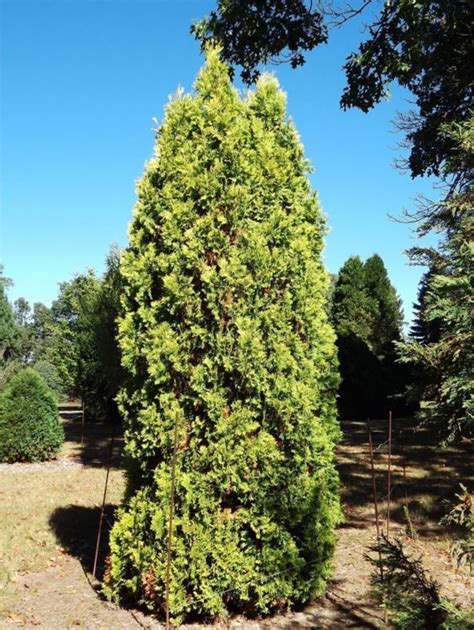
(225, 338)
(30, 429)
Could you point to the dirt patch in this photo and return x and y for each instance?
(38, 467)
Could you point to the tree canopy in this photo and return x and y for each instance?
(367, 316)
(426, 46)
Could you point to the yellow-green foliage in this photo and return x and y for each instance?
(225, 334)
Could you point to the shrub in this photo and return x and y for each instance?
(29, 425)
(462, 516)
(225, 337)
(410, 594)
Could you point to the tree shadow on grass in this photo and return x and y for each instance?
(429, 482)
(76, 527)
(93, 448)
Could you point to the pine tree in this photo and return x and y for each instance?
(353, 309)
(367, 316)
(353, 316)
(226, 341)
(446, 360)
(387, 317)
(423, 329)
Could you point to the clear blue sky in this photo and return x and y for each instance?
(81, 81)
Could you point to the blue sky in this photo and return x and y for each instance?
(80, 83)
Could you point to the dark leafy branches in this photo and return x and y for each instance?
(259, 31)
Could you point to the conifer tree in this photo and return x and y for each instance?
(423, 330)
(228, 349)
(367, 316)
(445, 360)
(353, 309)
(387, 317)
(353, 314)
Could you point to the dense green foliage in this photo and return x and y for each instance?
(29, 425)
(72, 348)
(366, 313)
(427, 46)
(445, 360)
(258, 31)
(9, 334)
(424, 329)
(82, 346)
(226, 340)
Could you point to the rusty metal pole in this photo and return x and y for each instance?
(170, 524)
(389, 471)
(83, 422)
(374, 494)
(102, 509)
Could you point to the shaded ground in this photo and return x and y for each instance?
(50, 514)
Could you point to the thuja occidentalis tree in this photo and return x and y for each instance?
(226, 341)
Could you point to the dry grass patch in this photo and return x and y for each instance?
(45, 510)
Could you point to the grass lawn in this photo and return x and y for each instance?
(50, 509)
(49, 515)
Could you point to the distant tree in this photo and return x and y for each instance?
(387, 317)
(79, 338)
(29, 425)
(107, 311)
(353, 308)
(9, 334)
(423, 329)
(73, 348)
(226, 340)
(367, 316)
(353, 313)
(48, 371)
(22, 313)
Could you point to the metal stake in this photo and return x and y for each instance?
(170, 524)
(374, 494)
(102, 509)
(389, 471)
(83, 422)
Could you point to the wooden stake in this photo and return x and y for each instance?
(170, 524)
(102, 509)
(389, 471)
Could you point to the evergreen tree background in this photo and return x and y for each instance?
(367, 316)
(442, 348)
(226, 338)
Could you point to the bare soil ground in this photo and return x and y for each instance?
(49, 515)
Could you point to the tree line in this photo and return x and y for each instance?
(73, 343)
